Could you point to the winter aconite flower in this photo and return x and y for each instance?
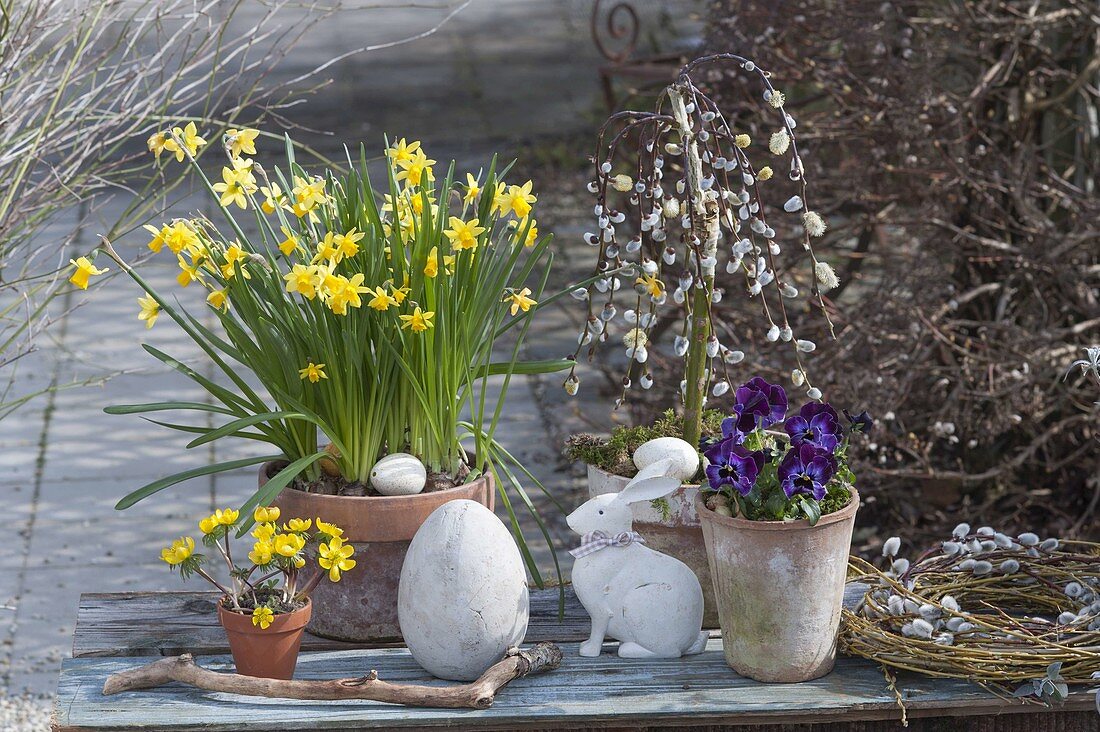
(815, 424)
(418, 322)
(328, 529)
(180, 551)
(806, 470)
(733, 465)
(313, 371)
(266, 514)
(263, 617)
(85, 270)
(262, 553)
(335, 556)
(150, 310)
(757, 404)
(287, 545)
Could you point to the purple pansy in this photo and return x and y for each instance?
(756, 404)
(815, 424)
(733, 465)
(806, 469)
(861, 422)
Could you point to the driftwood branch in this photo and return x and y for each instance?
(477, 694)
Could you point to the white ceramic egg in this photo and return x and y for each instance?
(463, 600)
(685, 458)
(398, 474)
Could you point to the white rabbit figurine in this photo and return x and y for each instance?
(650, 602)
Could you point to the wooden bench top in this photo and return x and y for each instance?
(120, 631)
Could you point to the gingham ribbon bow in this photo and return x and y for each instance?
(596, 540)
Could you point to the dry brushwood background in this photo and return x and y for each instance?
(953, 147)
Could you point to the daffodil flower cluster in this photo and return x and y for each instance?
(279, 555)
(668, 205)
(369, 316)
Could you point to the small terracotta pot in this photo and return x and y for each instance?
(780, 589)
(271, 652)
(362, 606)
(678, 534)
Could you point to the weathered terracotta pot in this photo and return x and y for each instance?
(271, 652)
(780, 588)
(362, 606)
(677, 535)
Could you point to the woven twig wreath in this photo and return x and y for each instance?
(985, 607)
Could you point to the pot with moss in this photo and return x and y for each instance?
(670, 525)
(777, 513)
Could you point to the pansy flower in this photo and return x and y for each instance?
(815, 424)
(733, 465)
(806, 469)
(861, 422)
(757, 404)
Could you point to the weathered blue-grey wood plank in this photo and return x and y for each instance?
(170, 623)
(601, 691)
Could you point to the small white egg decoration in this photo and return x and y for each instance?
(685, 458)
(399, 474)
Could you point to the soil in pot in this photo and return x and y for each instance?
(268, 653)
(779, 586)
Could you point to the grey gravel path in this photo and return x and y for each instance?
(501, 73)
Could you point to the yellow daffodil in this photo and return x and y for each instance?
(651, 284)
(188, 272)
(241, 141)
(330, 529)
(236, 184)
(273, 198)
(313, 371)
(532, 233)
(262, 553)
(150, 310)
(157, 142)
(219, 300)
(381, 299)
(347, 245)
(419, 321)
(84, 271)
(290, 243)
(263, 617)
(520, 300)
(400, 151)
(472, 189)
(157, 242)
(264, 531)
(226, 516)
(518, 200)
(327, 251)
(431, 265)
(287, 545)
(308, 195)
(180, 551)
(303, 280)
(400, 293)
(298, 525)
(266, 514)
(186, 138)
(463, 234)
(180, 236)
(335, 556)
(416, 169)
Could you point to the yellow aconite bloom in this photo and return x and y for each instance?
(262, 553)
(150, 310)
(415, 169)
(180, 551)
(226, 516)
(266, 514)
(463, 234)
(84, 271)
(241, 141)
(381, 299)
(517, 200)
(472, 189)
(273, 198)
(335, 556)
(264, 532)
(237, 183)
(290, 243)
(188, 272)
(400, 151)
(157, 142)
(218, 299)
(520, 300)
(287, 545)
(652, 285)
(303, 280)
(208, 524)
(186, 138)
(419, 321)
(263, 617)
(313, 371)
(298, 525)
(330, 529)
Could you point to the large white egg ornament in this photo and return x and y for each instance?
(685, 458)
(462, 601)
(398, 474)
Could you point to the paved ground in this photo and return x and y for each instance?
(502, 73)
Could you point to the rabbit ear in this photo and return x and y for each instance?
(650, 483)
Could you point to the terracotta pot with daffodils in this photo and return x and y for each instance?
(372, 319)
(265, 604)
(678, 204)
